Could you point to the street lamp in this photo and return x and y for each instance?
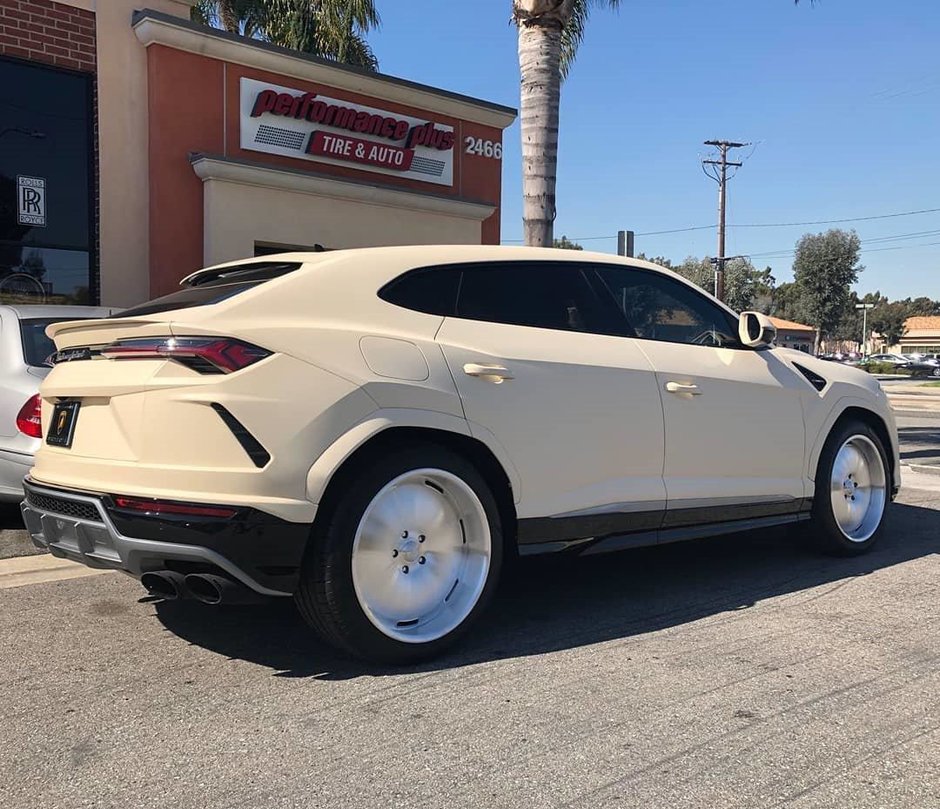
(864, 307)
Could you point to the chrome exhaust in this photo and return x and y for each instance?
(165, 584)
(211, 589)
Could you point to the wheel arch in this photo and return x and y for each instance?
(349, 455)
(858, 412)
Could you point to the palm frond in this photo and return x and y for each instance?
(572, 34)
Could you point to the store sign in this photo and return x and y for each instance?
(31, 201)
(310, 126)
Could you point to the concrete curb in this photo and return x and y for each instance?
(23, 570)
(925, 468)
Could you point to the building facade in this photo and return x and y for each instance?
(136, 146)
(794, 335)
(921, 336)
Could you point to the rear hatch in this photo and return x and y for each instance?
(123, 407)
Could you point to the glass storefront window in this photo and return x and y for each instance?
(46, 183)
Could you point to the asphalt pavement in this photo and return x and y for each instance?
(736, 672)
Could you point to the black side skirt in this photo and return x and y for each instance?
(622, 530)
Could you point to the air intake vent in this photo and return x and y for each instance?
(258, 454)
(814, 379)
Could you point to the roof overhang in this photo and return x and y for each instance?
(156, 28)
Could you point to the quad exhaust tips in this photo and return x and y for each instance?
(205, 587)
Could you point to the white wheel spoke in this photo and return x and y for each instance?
(410, 549)
(858, 488)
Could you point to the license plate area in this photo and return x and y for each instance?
(62, 427)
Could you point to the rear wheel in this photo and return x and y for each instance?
(851, 496)
(406, 559)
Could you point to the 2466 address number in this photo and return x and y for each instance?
(484, 148)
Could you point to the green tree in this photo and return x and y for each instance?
(333, 29)
(565, 244)
(888, 320)
(744, 283)
(787, 303)
(826, 265)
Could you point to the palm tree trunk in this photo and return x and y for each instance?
(539, 56)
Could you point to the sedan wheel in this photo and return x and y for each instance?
(406, 557)
(852, 488)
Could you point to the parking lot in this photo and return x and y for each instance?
(735, 672)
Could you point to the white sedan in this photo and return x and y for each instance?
(375, 431)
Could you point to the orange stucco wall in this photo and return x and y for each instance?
(194, 107)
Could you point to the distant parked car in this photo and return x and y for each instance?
(24, 348)
(925, 367)
(894, 359)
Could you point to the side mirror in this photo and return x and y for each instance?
(756, 330)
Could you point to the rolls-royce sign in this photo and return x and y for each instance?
(311, 126)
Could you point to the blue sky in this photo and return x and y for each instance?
(842, 102)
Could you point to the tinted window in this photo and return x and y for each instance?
(212, 288)
(547, 296)
(657, 307)
(432, 290)
(36, 346)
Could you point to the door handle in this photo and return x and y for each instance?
(681, 387)
(491, 373)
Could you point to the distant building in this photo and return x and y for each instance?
(921, 336)
(794, 335)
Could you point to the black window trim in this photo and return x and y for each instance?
(614, 322)
(604, 292)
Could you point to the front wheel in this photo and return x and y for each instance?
(851, 490)
(406, 559)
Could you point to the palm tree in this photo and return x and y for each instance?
(549, 34)
(333, 29)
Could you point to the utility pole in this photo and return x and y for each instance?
(720, 175)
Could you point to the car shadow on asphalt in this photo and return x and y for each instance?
(553, 603)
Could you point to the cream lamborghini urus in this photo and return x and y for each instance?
(375, 432)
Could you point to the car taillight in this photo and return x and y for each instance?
(207, 355)
(28, 419)
(160, 508)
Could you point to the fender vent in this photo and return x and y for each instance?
(258, 454)
(814, 379)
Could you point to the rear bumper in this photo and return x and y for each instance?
(262, 552)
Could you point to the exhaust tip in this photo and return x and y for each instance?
(204, 588)
(161, 585)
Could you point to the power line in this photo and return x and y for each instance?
(759, 225)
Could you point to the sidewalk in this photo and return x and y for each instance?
(914, 398)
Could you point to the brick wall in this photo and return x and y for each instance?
(49, 32)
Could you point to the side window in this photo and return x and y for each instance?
(432, 290)
(657, 307)
(542, 295)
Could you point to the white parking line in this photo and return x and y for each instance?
(25, 570)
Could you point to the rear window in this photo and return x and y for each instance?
(213, 288)
(36, 346)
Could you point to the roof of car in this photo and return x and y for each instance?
(427, 254)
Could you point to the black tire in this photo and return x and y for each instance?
(326, 594)
(825, 531)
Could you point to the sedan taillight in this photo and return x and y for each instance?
(28, 419)
(207, 355)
